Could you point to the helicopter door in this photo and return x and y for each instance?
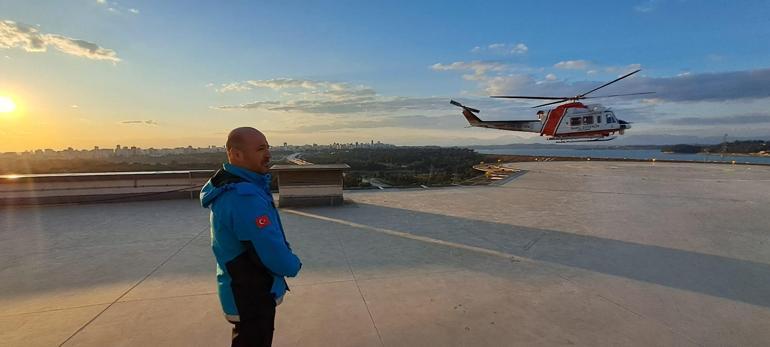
(588, 122)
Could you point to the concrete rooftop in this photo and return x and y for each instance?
(584, 253)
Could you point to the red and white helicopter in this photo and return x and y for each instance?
(572, 121)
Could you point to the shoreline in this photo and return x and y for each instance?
(760, 155)
(516, 158)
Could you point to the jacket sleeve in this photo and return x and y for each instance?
(252, 222)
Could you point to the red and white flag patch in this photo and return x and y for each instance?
(263, 221)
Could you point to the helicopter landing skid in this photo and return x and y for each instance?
(599, 139)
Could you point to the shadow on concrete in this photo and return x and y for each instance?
(129, 240)
(718, 276)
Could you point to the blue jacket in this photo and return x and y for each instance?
(248, 241)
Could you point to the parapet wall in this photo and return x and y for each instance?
(100, 187)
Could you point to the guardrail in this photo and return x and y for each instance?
(100, 187)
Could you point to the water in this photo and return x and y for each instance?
(646, 154)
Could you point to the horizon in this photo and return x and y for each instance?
(94, 72)
(365, 144)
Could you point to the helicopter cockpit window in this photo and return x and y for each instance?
(610, 117)
(588, 120)
(574, 121)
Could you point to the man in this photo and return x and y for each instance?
(247, 238)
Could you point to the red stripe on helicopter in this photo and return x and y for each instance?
(555, 116)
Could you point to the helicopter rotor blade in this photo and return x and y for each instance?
(529, 97)
(560, 99)
(581, 96)
(614, 95)
(551, 103)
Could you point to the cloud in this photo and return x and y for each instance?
(500, 85)
(622, 70)
(647, 6)
(502, 49)
(82, 48)
(743, 119)
(721, 86)
(282, 83)
(342, 106)
(572, 65)
(116, 8)
(325, 97)
(651, 101)
(455, 121)
(479, 68)
(21, 35)
(306, 95)
(494, 78)
(140, 122)
(519, 48)
(28, 38)
(592, 68)
(266, 105)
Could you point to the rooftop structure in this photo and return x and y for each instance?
(586, 253)
(309, 184)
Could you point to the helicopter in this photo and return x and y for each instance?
(572, 121)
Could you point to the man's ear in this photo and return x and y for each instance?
(233, 154)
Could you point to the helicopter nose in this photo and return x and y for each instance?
(624, 125)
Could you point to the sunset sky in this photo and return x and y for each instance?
(175, 73)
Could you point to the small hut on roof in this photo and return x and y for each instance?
(309, 185)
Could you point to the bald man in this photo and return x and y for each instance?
(253, 256)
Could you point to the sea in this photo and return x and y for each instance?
(645, 154)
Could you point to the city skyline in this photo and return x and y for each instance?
(121, 149)
(99, 72)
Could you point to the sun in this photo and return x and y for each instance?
(6, 104)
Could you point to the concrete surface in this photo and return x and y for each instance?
(571, 253)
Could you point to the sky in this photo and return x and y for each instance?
(85, 73)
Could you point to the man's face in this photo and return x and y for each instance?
(254, 154)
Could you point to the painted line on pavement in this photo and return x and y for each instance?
(411, 236)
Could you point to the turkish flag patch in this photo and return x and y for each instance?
(262, 221)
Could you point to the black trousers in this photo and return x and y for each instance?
(256, 327)
(255, 332)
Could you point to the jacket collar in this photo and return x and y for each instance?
(262, 180)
